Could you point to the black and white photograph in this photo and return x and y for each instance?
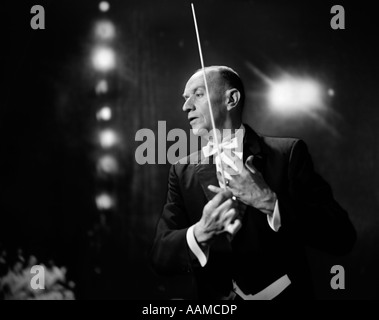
(183, 150)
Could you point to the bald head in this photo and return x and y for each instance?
(226, 78)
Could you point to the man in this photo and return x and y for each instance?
(244, 239)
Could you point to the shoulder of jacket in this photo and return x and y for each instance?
(280, 143)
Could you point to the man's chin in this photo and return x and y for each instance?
(200, 132)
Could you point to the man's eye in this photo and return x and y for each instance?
(199, 95)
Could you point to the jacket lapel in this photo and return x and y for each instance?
(206, 173)
(252, 146)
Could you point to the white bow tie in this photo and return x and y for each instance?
(230, 154)
(210, 149)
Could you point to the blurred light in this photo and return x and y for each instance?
(104, 201)
(331, 92)
(104, 6)
(108, 138)
(105, 114)
(103, 59)
(105, 30)
(101, 87)
(108, 164)
(291, 94)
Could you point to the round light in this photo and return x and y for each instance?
(103, 59)
(290, 95)
(108, 164)
(105, 30)
(331, 92)
(101, 87)
(104, 201)
(108, 138)
(104, 6)
(104, 114)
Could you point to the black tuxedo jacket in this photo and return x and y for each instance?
(257, 256)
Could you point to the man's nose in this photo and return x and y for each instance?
(188, 105)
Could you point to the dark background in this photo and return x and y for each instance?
(48, 126)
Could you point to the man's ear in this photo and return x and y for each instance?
(233, 96)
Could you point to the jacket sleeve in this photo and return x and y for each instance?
(309, 207)
(170, 253)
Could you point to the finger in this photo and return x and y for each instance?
(233, 227)
(215, 189)
(218, 214)
(249, 164)
(219, 176)
(224, 207)
(221, 197)
(228, 181)
(230, 216)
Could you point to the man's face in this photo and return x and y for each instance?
(196, 102)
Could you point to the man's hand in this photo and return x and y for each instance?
(219, 215)
(250, 188)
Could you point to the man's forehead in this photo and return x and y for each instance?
(197, 79)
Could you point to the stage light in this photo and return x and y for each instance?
(108, 138)
(105, 30)
(290, 95)
(104, 201)
(331, 92)
(101, 87)
(104, 6)
(108, 164)
(103, 59)
(104, 114)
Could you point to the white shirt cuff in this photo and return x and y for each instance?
(192, 243)
(274, 219)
